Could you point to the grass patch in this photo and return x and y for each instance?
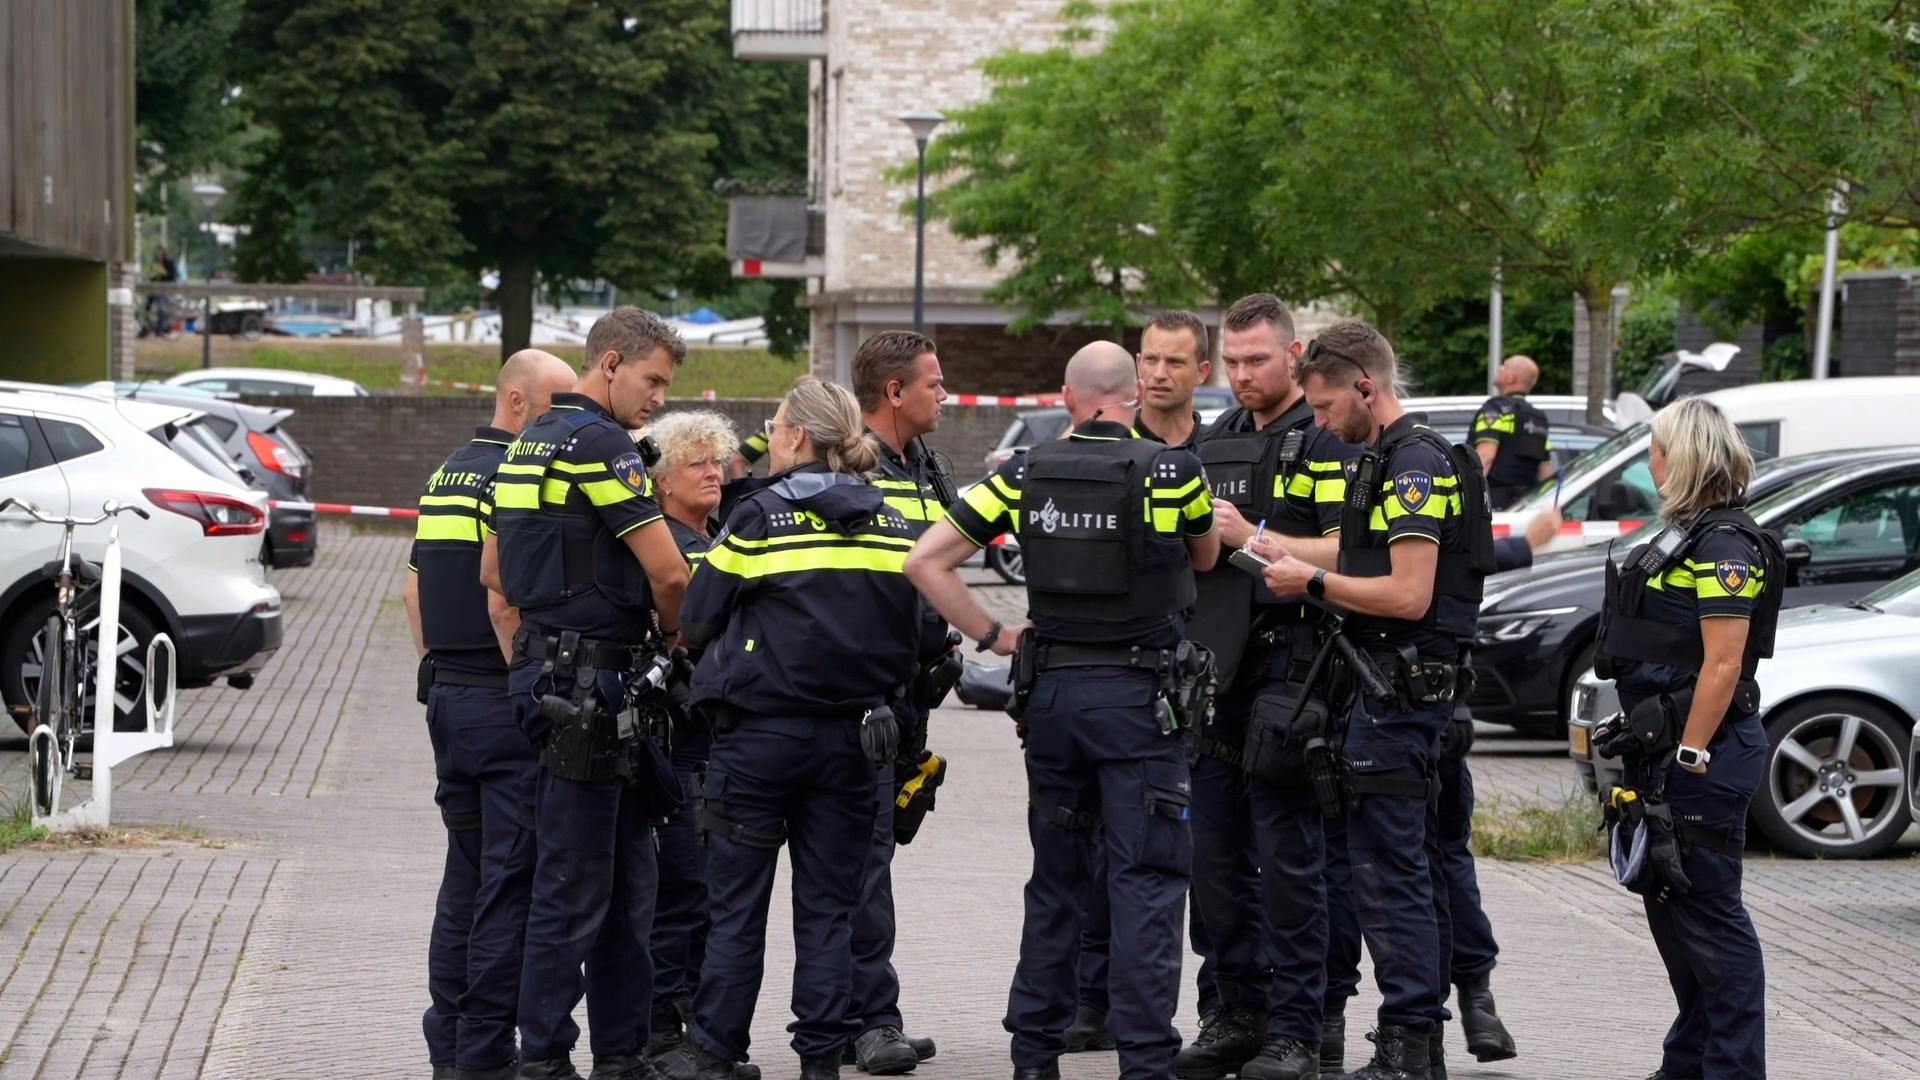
(1566, 832)
(127, 836)
(729, 373)
(17, 827)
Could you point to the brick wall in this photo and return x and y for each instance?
(378, 451)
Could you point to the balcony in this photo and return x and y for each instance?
(779, 29)
(774, 229)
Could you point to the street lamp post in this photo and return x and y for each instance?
(921, 122)
(209, 195)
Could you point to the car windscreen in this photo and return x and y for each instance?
(1901, 596)
(1595, 460)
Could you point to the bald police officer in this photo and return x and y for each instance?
(1511, 435)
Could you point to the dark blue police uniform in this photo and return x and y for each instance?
(1103, 518)
(1522, 440)
(1258, 848)
(571, 487)
(786, 604)
(485, 769)
(907, 484)
(680, 919)
(1705, 936)
(1418, 493)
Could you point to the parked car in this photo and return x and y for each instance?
(1613, 485)
(1458, 410)
(192, 569)
(267, 381)
(256, 437)
(1840, 514)
(1045, 425)
(1839, 702)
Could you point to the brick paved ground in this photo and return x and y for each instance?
(297, 949)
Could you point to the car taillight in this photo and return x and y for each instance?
(274, 456)
(217, 514)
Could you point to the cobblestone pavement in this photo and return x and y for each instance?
(286, 938)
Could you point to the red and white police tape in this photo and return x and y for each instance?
(345, 508)
(1012, 400)
(1583, 530)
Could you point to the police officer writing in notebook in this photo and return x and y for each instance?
(1687, 620)
(1415, 543)
(1113, 527)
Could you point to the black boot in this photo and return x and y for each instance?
(667, 1031)
(824, 1067)
(560, 1068)
(698, 1064)
(1232, 1038)
(1437, 1053)
(1284, 1059)
(621, 1067)
(1333, 1044)
(1088, 1031)
(1049, 1071)
(503, 1072)
(882, 1051)
(1487, 1037)
(445, 1072)
(923, 1047)
(1399, 1053)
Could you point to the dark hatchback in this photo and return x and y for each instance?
(257, 439)
(1538, 625)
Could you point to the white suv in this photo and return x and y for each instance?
(242, 380)
(191, 569)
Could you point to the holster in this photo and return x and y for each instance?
(1279, 727)
(1420, 682)
(879, 735)
(582, 743)
(937, 677)
(918, 781)
(423, 679)
(1457, 737)
(1026, 667)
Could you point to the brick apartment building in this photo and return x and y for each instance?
(843, 230)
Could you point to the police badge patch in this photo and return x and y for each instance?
(1413, 489)
(1732, 575)
(633, 473)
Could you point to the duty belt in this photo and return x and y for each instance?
(1054, 656)
(599, 655)
(1697, 835)
(443, 677)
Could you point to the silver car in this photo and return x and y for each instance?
(1839, 701)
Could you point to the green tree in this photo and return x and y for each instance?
(183, 112)
(549, 139)
(1056, 171)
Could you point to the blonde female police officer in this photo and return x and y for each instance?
(794, 680)
(1687, 620)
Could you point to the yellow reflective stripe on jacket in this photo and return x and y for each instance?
(511, 468)
(606, 492)
(1500, 425)
(468, 501)
(590, 468)
(447, 527)
(727, 559)
(516, 495)
(554, 491)
(747, 546)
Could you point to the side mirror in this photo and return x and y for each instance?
(1799, 552)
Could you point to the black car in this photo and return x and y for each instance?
(1537, 626)
(257, 439)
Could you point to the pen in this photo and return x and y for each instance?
(1258, 529)
(1557, 478)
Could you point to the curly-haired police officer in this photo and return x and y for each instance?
(1112, 527)
(1415, 544)
(583, 552)
(484, 764)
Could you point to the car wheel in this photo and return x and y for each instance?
(250, 326)
(1834, 783)
(22, 652)
(1009, 563)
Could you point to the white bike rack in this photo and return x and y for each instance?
(110, 747)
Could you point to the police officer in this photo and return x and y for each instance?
(695, 447)
(1511, 434)
(583, 552)
(1172, 361)
(1112, 527)
(795, 681)
(1688, 619)
(899, 387)
(1259, 841)
(484, 764)
(1415, 544)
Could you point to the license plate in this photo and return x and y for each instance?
(1577, 741)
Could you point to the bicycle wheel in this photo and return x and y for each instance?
(49, 711)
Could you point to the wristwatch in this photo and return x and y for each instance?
(1317, 584)
(1692, 757)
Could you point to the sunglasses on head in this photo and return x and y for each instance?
(1316, 348)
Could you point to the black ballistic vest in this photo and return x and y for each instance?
(1085, 536)
(1628, 634)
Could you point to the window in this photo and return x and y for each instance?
(1763, 438)
(220, 425)
(271, 386)
(217, 386)
(16, 446)
(68, 441)
(1627, 493)
(1877, 523)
